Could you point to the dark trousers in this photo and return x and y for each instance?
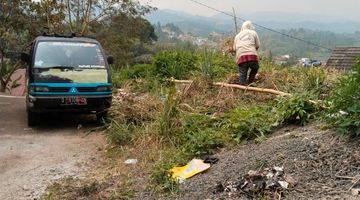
(244, 69)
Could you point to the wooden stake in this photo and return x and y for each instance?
(235, 21)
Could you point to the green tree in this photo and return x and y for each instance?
(125, 37)
(13, 19)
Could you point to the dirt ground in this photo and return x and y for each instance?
(324, 164)
(32, 159)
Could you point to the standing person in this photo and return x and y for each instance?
(246, 45)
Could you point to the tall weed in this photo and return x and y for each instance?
(345, 106)
(314, 79)
(169, 121)
(178, 64)
(215, 66)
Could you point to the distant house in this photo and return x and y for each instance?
(343, 58)
(282, 60)
(304, 62)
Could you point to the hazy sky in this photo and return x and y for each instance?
(347, 9)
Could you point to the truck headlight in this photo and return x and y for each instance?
(104, 89)
(39, 89)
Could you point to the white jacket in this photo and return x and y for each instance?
(247, 42)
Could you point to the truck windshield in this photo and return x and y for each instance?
(69, 62)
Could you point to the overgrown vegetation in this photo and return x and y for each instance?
(196, 120)
(178, 64)
(344, 103)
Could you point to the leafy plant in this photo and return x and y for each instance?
(201, 135)
(296, 110)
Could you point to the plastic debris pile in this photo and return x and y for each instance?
(269, 182)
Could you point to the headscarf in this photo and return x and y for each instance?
(247, 26)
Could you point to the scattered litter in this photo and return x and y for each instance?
(343, 112)
(194, 167)
(79, 126)
(131, 161)
(284, 184)
(279, 169)
(355, 191)
(27, 129)
(270, 175)
(211, 160)
(269, 182)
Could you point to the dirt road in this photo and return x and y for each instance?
(31, 159)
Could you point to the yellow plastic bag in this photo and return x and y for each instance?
(194, 167)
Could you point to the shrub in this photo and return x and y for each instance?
(178, 64)
(345, 106)
(213, 65)
(120, 76)
(140, 71)
(250, 123)
(296, 110)
(201, 135)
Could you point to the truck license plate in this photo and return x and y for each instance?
(74, 101)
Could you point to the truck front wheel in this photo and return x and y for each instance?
(32, 118)
(102, 117)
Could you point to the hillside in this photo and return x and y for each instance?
(280, 20)
(321, 30)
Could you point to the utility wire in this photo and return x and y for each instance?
(261, 26)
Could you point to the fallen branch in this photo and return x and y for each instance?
(253, 89)
(248, 88)
(241, 87)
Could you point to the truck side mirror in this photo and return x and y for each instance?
(26, 58)
(110, 60)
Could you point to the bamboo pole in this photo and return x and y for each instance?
(241, 87)
(253, 89)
